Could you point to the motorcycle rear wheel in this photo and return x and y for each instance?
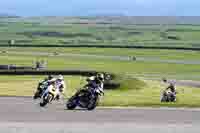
(36, 95)
(93, 104)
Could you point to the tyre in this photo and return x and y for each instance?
(46, 100)
(93, 103)
(36, 95)
(50, 98)
(165, 98)
(91, 106)
(173, 98)
(71, 103)
(162, 99)
(71, 106)
(42, 104)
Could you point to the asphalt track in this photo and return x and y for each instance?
(21, 114)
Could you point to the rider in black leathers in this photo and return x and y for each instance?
(44, 82)
(96, 82)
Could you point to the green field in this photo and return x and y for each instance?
(77, 31)
(26, 56)
(149, 95)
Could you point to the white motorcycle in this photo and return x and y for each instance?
(49, 95)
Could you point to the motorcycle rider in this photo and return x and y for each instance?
(59, 84)
(96, 81)
(170, 86)
(45, 83)
(50, 77)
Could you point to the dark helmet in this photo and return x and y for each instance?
(164, 79)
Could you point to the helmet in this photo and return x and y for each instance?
(164, 80)
(60, 77)
(50, 77)
(100, 76)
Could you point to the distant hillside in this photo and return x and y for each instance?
(117, 18)
(194, 20)
(155, 19)
(4, 15)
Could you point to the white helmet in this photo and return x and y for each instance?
(100, 76)
(60, 77)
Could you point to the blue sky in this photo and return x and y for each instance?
(96, 7)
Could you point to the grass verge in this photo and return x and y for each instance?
(149, 96)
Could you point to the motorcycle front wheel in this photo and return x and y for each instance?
(71, 104)
(46, 100)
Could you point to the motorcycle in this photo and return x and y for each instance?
(40, 90)
(85, 98)
(168, 96)
(48, 96)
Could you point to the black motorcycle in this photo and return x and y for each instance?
(85, 98)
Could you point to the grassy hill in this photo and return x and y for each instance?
(142, 31)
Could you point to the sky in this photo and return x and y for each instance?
(100, 7)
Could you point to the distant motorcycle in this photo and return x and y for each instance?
(40, 90)
(168, 96)
(48, 96)
(85, 98)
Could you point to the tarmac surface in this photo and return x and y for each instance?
(23, 114)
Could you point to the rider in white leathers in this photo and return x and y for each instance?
(58, 84)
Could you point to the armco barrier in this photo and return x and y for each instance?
(53, 72)
(105, 46)
(47, 72)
